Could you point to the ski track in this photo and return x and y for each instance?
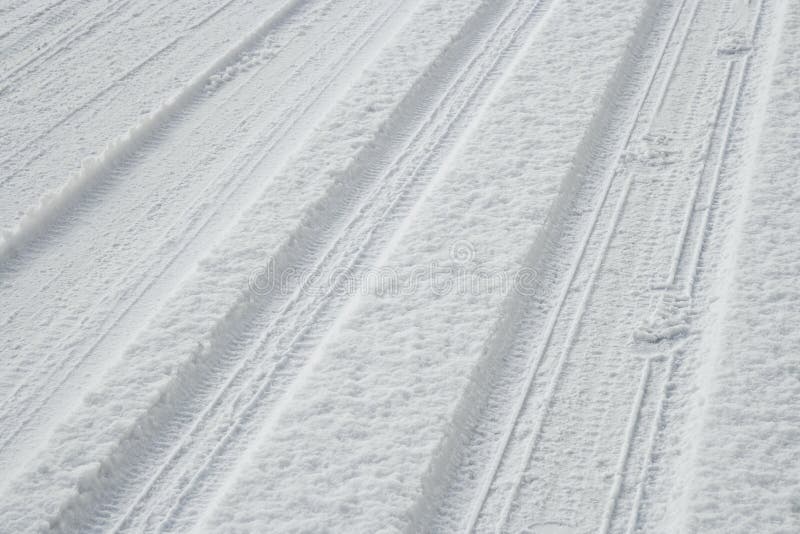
(150, 377)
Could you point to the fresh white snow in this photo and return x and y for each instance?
(400, 266)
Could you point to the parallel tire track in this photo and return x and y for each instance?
(206, 93)
(142, 138)
(532, 369)
(312, 318)
(406, 162)
(46, 379)
(575, 323)
(123, 523)
(687, 284)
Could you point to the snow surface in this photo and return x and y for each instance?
(416, 266)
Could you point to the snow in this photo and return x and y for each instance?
(747, 474)
(417, 266)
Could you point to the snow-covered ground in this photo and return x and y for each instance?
(383, 265)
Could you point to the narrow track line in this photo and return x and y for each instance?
(654, 428)
(571, 338)
(712, 193)
(691, 207)
(624, 453)
(674, 63)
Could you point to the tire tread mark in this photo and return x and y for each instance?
(553, 317)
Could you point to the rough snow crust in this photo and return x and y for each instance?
(418, 266)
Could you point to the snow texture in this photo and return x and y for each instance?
(400, 266)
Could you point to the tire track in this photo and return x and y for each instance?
(123, 523)
(152, 144)
(207, 91)
(244, 83)
(691, 205)
(192, 226)
(368, 218)
(313, 317)
(634, 418)
(27, 409)
(624, 453)
(686, 287)
(532, 370)
(677, 302)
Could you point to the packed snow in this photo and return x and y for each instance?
(400, 266)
